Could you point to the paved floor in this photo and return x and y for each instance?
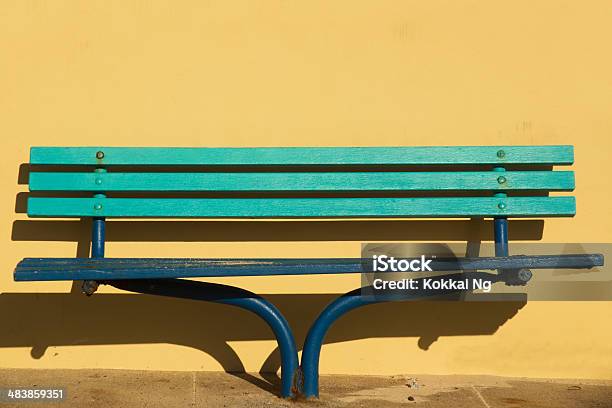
(119, 388)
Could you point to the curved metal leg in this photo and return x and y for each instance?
(229, 295)
(317, 332)
(339, 307)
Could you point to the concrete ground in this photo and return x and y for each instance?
(120, 388)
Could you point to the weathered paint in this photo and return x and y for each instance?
(303, 181)
(302, 207)
(281, 156)
(34, 269)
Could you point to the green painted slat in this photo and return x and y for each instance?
(302, 207)
(354, 181)
(303, 155)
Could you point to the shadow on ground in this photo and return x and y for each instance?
(73, 319)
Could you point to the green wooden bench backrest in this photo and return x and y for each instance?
(364, 175)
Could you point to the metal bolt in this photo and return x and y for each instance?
(501, 154)
(98, 207)
(100, 155)
(524, 275)
(501, 179)
(98, 181)
(501, 206)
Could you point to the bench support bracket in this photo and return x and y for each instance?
(98, 240)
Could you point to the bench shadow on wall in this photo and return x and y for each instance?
(60, 319)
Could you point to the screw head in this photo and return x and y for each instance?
(97, 206)
(501, 206)
(501, 179)
(100, 155)
(501, 154)
(98, 181)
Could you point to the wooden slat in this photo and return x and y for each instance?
(302, 207)
(37, 269)
(281, 156)
(337, 181)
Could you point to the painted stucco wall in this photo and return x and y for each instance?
(316, 73)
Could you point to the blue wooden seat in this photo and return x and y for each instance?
(103, 269)
(498, 182)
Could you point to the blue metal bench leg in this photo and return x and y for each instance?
(211, 292)
(229, 295)
(317, 332)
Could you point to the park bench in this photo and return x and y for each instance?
(498, 182)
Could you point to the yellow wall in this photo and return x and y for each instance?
(315, 73)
